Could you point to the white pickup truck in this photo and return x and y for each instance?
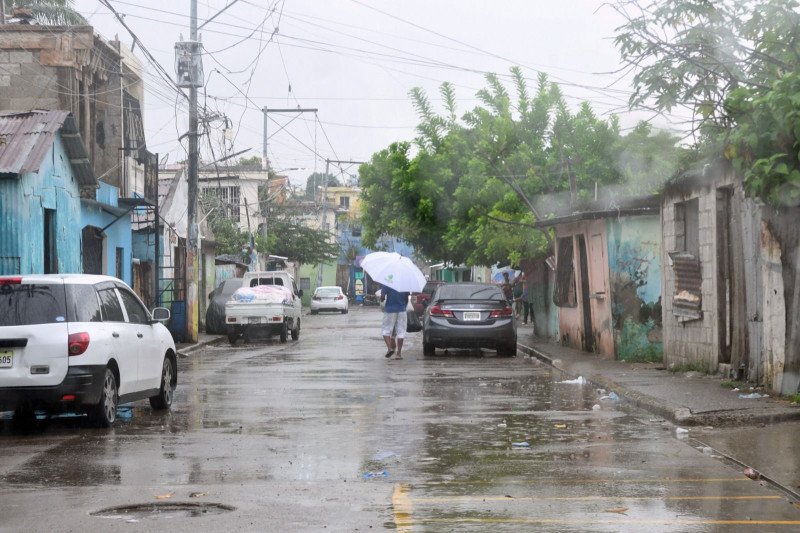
(268, 303)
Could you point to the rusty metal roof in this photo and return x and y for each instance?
(26, 138)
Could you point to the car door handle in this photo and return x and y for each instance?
(115, 334)
(139, 335)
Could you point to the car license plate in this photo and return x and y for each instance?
(254, 320)
(6, 358)
(472, 315)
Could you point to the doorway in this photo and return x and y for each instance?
(50, 250)
(588, 333)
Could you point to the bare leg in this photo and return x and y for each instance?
(399, 348)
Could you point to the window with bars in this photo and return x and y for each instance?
(228, 198)
(564, 294)
(305, 284)
(344, 202)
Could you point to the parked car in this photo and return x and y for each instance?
(329, 299)
(469, 315)
(267, 303)
(81, 343)
(420, 300)
(215, 313)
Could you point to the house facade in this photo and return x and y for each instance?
(728, 280)
(44, 174)
(607, 286)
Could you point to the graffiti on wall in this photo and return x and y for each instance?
(635, 276)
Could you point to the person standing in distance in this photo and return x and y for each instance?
(394, 320)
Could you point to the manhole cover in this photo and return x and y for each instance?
(156, 510)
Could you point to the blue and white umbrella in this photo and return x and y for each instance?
(394, 270)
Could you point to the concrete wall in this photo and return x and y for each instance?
(634, 259)
(22, 204)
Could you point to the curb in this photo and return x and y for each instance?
(676, 415)
(185, 352)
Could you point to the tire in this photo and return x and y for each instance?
(507, 350)
(428, 349)
(344, 311)
(163, 400)
(296, 331)
(314, 312)
(232, 338)
(284, 332)
(104, 413)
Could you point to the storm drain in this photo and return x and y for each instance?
(160, 510)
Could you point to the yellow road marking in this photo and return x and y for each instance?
(402, 508)
(666, 521)
(445, 499)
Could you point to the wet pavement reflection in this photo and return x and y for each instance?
(326, 432)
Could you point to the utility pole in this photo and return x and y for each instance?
(324, 222)
(265, 163)
(193, 244)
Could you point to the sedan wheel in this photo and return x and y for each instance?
(105, 411)
(163, 400)
(428, 349)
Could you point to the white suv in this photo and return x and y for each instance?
(83, 343)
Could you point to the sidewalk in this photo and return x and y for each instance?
(685, 398)
(203, 339)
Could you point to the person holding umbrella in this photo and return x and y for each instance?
(399, 277)
(394, 320)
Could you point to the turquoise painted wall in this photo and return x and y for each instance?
(117, 235)
(634, 260)
(22, 203)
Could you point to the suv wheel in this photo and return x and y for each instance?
(284, 332)
(105, 411)
(163, 400)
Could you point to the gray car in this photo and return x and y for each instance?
(469, 315)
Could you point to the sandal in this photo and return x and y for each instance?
(389, 354)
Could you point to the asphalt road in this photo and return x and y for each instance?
(324, 433)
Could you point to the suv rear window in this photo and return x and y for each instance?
(32, 303)
(459, 291)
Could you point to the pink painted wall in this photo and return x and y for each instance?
(599, 302)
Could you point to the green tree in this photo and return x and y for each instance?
(476, 186)
(317, 179)
(55, 12)
(250, 163)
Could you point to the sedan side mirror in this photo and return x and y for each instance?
(161, 314)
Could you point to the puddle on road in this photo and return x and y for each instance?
(162, 510)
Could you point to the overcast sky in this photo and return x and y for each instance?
(356, 60)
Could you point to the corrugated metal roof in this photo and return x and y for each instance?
(26, 137)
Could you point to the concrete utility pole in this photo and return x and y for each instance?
(265, 162)
(324, 222)
(193, 244)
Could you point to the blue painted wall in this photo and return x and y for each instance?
(22, 203)
(634, 260)
(117, 235)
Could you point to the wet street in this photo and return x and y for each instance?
(324, 433)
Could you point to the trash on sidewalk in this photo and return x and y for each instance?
(681, 431)
(164, 496)
(373, 475)
(520, 444)
(197, 494)
(618, 510)
(560, 426)
(611, 397)
(752, 396)
(596, 407)
(580, 380)
(751, 473)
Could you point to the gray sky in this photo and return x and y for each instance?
(356, 60)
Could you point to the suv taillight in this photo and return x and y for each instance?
(10, 281)
(498, 313)
(438, 311)
(77, 343)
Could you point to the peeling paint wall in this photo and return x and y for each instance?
(774, 310)
(22, 204)
(634, 259)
